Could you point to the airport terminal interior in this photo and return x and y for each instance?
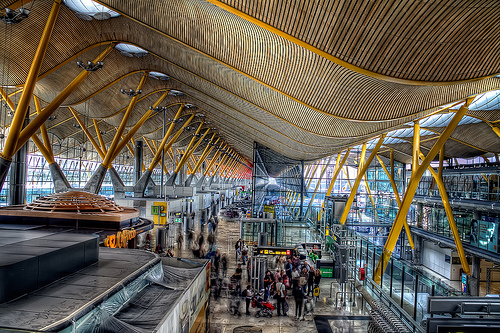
(249, 166)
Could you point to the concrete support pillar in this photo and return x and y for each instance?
(475, 276)
(94, 183)
(61, 184)
(18, 172)
(138, 150)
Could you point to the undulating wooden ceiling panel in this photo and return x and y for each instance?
(425, 41)
(257, 86)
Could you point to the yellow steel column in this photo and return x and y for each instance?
(451, 219)
(205, 153)
(8, 100)
(322, 173)
(163, 145)
(43, 129)
(367, 186)
(86, 131)
(48, 156)
(369, 192)
(228, 168)
(222, 161)
(24, 101)
(137, 126)
(33, 126)
(114, 144)
(346, 172)
(185, 155)
(214, 159)
(361, 172)
(398, 199)
(237, 167)
(99, 137)
(188, 151)
(416, 146)
(412, 188)
(441, 160)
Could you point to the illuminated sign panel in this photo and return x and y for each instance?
(272, 252)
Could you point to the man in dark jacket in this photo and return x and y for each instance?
(310, 281)
(298, 295)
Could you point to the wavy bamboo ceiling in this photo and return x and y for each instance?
(306, 79)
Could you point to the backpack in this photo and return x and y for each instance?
(280, 290)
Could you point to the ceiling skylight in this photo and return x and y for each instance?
(175, 93)
(159, 76)
(88, 9)
(131, 50)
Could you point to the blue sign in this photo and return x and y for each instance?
(465, 277)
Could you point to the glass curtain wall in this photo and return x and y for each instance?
(78, 165)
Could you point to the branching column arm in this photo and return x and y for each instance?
(398, 199)
(451, 219)
(16, 126)
(338, 167)
(33, 126)
(112, 152)
(163, 145)
(99, 137)
(361, 172)
(86, 131)
(412, 188)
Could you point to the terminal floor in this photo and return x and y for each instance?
(337, 319)
(327, 316)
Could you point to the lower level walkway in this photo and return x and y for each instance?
(326, 317)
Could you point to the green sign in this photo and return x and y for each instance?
(178, 220)
(154, 210)
(326, 272)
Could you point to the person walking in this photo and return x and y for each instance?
(211, 241)
(289, 268)
(267, 285)
(295, 277)
(237, 248)
(217, 259)
(248, 298)
(317, 279)
(249, 268)
(190, 237)
(237, 277)
(180, 240)
(281, 296)
(304, 275)
(223, 261)
(310, 281)
(298, 295)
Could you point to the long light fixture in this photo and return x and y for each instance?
(14, 16)
(90, 66)
(131, 92)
